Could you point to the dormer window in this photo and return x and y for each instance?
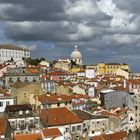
(26, 79)
(20, 112)
(1, 104)
(10, 80)
(18, 79)
(58, 104)
(27, 111)
(34, 80)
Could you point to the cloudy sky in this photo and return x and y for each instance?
(104, 30)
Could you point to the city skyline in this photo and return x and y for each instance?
(105, 31)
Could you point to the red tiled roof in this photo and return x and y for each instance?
(57, 73)
(113, 136)
(119, 88)
(93, 80)
(3, 123)
(134, 81)
(28, 136)
(60, 98)
(99, 137)
(54, 98)
(32, 70)
(78, 96)
(51, 132)
(18, 107)
(59, 116)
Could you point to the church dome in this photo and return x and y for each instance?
(76, 53)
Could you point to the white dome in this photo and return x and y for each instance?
(76, 54)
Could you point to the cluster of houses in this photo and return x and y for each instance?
(64, 102)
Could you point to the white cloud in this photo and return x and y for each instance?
(31, 47)
(81, 9)
(119, 17)
(121, 39)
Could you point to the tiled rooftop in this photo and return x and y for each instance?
(59, 116)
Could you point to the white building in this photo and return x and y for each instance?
(90, 73)
(4, 101)
(122, 72)
(68, 123)
(134, 86)
(9, 52)
(92, 123)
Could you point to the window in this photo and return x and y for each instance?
(73, 128)
(36, 120)
(84, 124)
(22, 121)
(10, 80)
(18, 79)
(1, 104)
(20, 112)
(65, 103)
(131, 119)
(34, 80)
(79, 128)
(27, 111)
(7, 102)
(67, 130)
(26, 79)
(49, 105)
(58, 104)
(31, 123)
(13, 122)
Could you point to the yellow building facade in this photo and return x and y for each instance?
(111, 68)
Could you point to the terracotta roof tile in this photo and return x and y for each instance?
(3, 123)
(28, 136)
(100, 137)
(59, 116)
(134, 81)
(60, 98)
(57, 73)
(119, 88)
(113, 136)
(51, 132)
(18, 107)
(54, 98)
(32, 70)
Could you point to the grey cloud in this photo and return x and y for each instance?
(32, 10)
(66, 23)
